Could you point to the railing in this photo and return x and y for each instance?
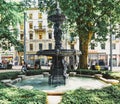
(39, 28)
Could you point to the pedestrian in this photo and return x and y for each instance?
(24, 67)
(97, 67)
(35, 66)
(93, 65)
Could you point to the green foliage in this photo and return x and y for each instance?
(116, 74)
(108, 95)
(33, 72)
(13, 75)
(20, 96)
(112, 75)
(83, 13)
(10, 95)
(10, 16)
(19, 46)
(9, 75)
(89, 19)
(2, 86)
(87, 72)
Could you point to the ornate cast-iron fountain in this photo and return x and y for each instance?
(58, 68)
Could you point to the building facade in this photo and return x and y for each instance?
(7, 55)
(39, 36)
(102, 52)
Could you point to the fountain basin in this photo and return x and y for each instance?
(60, 52)
(72, 83)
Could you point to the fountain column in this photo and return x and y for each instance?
(59, 66)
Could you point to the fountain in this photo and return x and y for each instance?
(58, 82)
(58, 69)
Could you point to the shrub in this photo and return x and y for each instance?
(9, 75)
(10, 95)
(115, 75)
(2, 86)
(87, 72)
(108, 95)
(33, 72)
(112, 75)
(21, 96)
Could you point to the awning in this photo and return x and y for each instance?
(92, 52)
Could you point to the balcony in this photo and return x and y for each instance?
(40, 29)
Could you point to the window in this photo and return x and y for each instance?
(40, 46)
(40, 15)
(31, 47)
(114, 61)
(31, 36)
(50, 35)
(21, 36)
(113, 46)
(50, 45)
(31, 25)
(40, 24)
(103, 46)
(92, 46)
(40, 36)
(30, 16)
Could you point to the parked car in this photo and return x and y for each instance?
(9, 66)
(2, 66)
(102, 65)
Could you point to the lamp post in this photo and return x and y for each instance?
(25, 15)
(111, 63)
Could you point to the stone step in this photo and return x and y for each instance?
(53, 99)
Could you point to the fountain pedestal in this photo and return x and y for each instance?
(58, 70)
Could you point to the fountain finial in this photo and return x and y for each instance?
(58, 8)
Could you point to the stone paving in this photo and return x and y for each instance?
(54, 99)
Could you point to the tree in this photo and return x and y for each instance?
(91, 19)
(10, 16)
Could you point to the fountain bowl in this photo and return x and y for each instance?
(39, 82)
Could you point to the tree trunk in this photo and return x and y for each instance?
(84, 39)
(83, 47)
(84, 55)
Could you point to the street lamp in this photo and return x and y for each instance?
(25, 23)
(111, 63)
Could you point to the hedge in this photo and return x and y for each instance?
(9, 75)
(10, 95)
(108, 95)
